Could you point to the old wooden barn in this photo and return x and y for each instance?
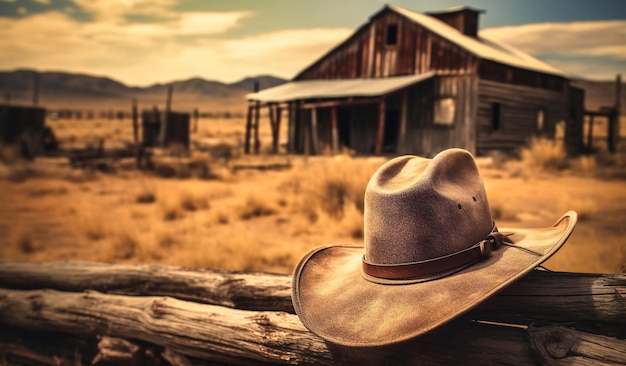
(408, 82)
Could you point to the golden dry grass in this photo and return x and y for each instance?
(266, 220)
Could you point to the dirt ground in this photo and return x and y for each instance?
(251, 219)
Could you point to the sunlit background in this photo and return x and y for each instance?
(141, 42)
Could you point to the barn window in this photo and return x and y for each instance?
(444, 111)
(391, 38)
(540, 118)
(496, 116)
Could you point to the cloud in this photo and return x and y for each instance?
(209, 23)
(44, 2)
(594, 48)
(115, 10)
(188, 44)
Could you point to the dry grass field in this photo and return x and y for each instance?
(207, 213)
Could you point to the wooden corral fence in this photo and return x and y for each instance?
(80, 313)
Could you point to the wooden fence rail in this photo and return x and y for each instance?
(78, 313)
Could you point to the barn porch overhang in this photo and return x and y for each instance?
(335, 91)
(314, 94)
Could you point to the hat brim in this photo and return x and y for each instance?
(335, 301)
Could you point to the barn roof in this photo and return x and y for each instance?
(481, 47)
(337, 88)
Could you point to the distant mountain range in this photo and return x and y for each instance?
(69, 90)
(62, 89)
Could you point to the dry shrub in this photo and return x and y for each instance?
(147, 193)
(192, 200)
(23, 237)
(586, 207)
(236, 252)
(498, 159)
(544, 155)
(171, 208)
(351, 224)
(125, 243)
(501, 209)
(201, 163)
(256, 204)
(174, 206)
(92, 224)
(9, 154)
(46, 187)
(330, 187)
(220, 216)
(585, 165)
(165, 239)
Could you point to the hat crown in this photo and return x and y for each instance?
(418, 209)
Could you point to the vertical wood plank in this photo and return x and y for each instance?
(257, 117)
(248, 129)
(272, 115)
(291, 127)
(135, 116)
(277, 132)
(590, 135)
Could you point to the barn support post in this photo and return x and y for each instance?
(307, 135)
(248, 129)
(291, 127)
(135, 116)
(614, 125)
(404, 111)
(257, 118)
(164, 120)
(196, 117)
(335, 135)
(381, 127)
(590, 134)
(277, 132)
(272, 115)
(315, 142)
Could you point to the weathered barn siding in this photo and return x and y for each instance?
(493, 71)
(18, 122)
(519, 109)
(424, 135)
(365, 54)
(176, 128)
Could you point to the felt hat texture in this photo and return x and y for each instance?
(431, 252)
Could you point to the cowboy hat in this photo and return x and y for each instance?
(431, 252)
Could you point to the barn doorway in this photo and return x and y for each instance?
(343, 126)
(390, 137)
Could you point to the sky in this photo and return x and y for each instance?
(142, 42)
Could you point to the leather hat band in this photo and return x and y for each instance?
(446, 263)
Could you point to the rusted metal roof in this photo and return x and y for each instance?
(339, 88)
(481, 46)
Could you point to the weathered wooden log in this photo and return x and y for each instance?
(540, 295)
(252, 291)
(562, 346)
(228, 336)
